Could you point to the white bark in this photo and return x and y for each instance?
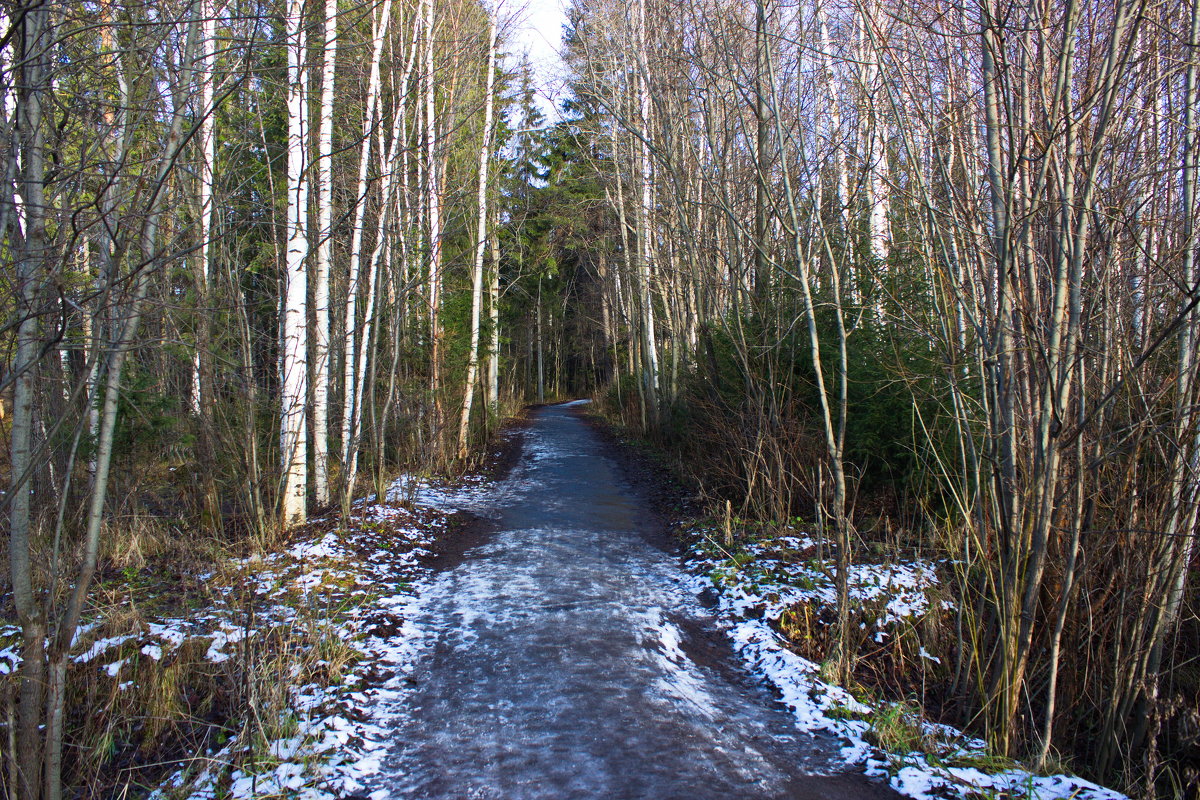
(834, 128)
(493, 368)
(354, 336)
(324, 261)
(485, 155)
(645, 210)
(293, 366)
(433, 209)
(207, 141)
(873, 135)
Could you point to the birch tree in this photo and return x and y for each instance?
(323, 262)
(358, 334)
(293, 346)
(31, 65)
(481, 240)
(433, 210)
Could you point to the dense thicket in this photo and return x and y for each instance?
(243, 247)
(926, 267)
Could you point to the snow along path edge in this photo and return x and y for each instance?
(747, 608)
(338, 735)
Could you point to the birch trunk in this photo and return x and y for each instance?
(324, 261)
(874, 133)
(203, 373)
(464, 424)
(645, 210)
(833, 131)
(762, 137)
(355, 337)
(433, 210)
(293, 364)
(493, 369)
(204, 191)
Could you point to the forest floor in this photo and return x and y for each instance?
(533, 630)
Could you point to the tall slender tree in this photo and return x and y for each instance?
(481, 240)
(293, 349)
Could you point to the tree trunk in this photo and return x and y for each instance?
(357, 337)
(493, 369)
(541, 360)
(32, 58)
(203, 377)
(293, 346)
(323, 263)
(645, 246)
(433, 210)
(464, 424)
(761, 151)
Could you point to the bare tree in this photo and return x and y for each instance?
(293, 351)
(481, 239)
(323, 262)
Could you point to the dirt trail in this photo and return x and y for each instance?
(565, 660)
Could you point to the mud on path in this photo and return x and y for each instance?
(564, 659)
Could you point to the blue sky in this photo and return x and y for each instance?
(538, 32)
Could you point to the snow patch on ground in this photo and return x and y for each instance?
(763, 580)
(431, 493)
(680, 678)
(914, 777)
(337, 734)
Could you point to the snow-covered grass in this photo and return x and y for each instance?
(349, 589)
(777, 595)
(261, 676)
(432, 493)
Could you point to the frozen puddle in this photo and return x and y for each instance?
(565, 657)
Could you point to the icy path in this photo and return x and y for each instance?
(563, 659)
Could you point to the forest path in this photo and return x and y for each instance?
(566, 660)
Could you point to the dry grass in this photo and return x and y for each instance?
(121, 728)
(126, 730)
(138, 540)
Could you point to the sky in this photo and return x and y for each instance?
(538, 32)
